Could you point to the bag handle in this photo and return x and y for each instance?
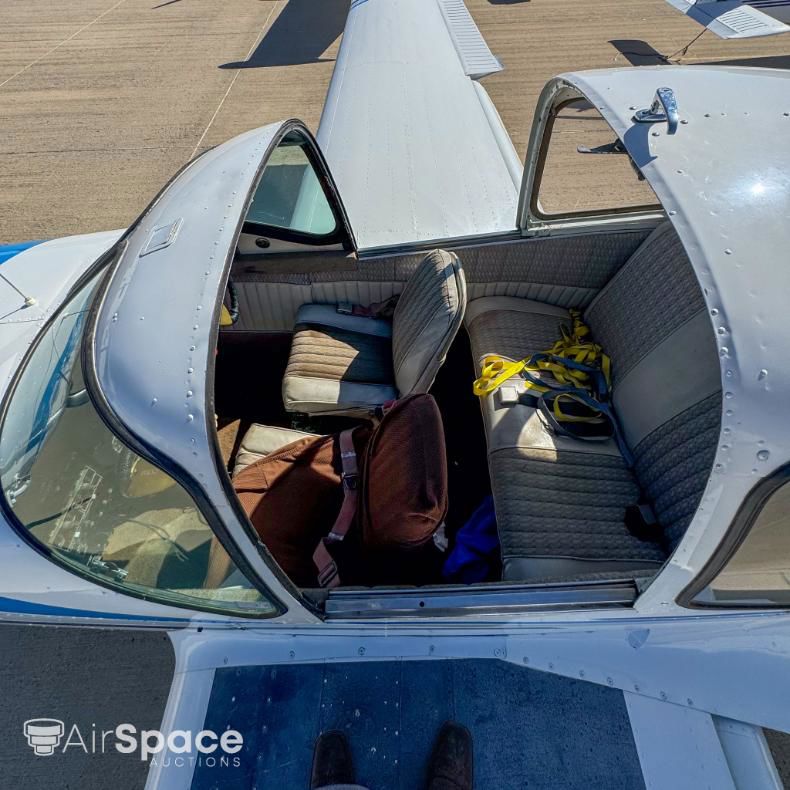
(328, 575)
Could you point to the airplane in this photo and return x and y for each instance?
(650, 564)
(736, 19)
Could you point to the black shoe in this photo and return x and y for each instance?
(332, 761)
(451, 766)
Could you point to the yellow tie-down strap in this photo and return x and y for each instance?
(225, 318)
(567, 362)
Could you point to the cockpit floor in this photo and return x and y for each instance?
(530, 729)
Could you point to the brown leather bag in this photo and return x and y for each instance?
(292, 498)
(404, 476)
(389, 494)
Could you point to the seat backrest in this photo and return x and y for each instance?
(427, 317)
(652, 320)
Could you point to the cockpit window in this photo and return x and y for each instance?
(97, 506)
(290, 195)
(757, 572)
(585, 169)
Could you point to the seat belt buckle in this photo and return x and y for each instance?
(641, 522)
(350, 480)
(328, 575)
(507, 395)
(345, 308)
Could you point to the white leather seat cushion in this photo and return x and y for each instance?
(514, 328)
(338, 363)
(262, 440)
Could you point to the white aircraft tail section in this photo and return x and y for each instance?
(734, 19)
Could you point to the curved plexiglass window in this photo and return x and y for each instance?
(290, 195)
(586, 169)
(758, 572)
(99, 507)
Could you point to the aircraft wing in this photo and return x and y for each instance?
(735, 19)
(414, 143)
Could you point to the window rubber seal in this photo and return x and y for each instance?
(736, 534)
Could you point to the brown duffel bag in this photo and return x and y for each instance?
(384, 486)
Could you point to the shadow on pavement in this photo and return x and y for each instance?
(640, 53)
(302, 32)
(769, 62)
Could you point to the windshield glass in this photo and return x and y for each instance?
(95, 504)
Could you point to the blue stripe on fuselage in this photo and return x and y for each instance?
(8, 251)
(17, 606)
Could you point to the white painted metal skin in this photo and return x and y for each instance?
(723, 179)
(476, 58)
(734, 19)
(32, 587)
(44, 273)
(159, 390)
(404, 123)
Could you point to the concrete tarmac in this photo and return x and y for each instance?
(101, 101)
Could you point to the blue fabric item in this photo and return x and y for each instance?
(476, 548)
(8, 251)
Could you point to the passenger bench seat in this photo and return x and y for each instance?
(561, 503)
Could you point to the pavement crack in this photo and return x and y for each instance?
(57, 46)
(258, 38)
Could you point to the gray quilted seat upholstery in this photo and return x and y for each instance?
(348, 364)
(560, 502)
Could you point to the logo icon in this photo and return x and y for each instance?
(43, 735)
